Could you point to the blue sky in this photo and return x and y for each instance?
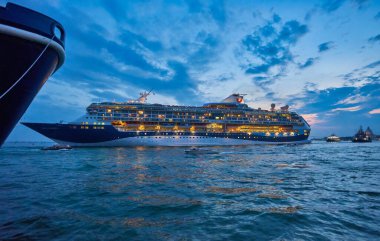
(320, 57)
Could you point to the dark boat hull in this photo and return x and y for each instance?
(361, 140)
(24, 35)
(107, 135)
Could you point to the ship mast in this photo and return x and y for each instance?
(143, 97)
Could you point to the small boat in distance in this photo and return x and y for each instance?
(196, 151)
(362, 136)
(333, 138)
(57, 148)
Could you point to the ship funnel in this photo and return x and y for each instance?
(235, 98)
(272, 106)
(284, 108)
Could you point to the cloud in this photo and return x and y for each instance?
(332, 5)
(269, 48)
(62, 94)
(276, 18)
(325, 46)
(218, 12)
(350, 109)
(377, 16)
(292, 31)
(335, 100)
(144, 49)
(372, 65)
(360, 3)
(312, 119)
(374, 111)
(362, 76)
(120, 66)
(355, 99)
(309, 62)
(374, 38)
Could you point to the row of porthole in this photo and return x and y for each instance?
(179, 137)
(197, 137)
(218, 134)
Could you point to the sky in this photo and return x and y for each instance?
(322, 58)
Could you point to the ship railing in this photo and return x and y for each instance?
(186, 132)
(205, 121)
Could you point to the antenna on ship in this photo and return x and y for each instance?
(144, 96)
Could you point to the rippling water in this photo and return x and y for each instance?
(320, 191)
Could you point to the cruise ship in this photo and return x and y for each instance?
(137, 123)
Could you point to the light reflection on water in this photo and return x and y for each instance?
(320, 191)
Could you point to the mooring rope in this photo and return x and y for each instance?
(30, 67)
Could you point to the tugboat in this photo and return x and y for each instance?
(31, 49)
(369, 133)
(333, 138)
(196, 151)
(57, 148)
(362, 136)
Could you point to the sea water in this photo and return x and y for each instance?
(318, 191)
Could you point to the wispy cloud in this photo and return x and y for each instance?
(72, 96)
(325, 46)
(355, 99)
(372, 65)
(309, 62)
(374, 111)
(374, 38)
(350, 109)
(361, 4)
(312, 118)
(377, 16)
(332, 5)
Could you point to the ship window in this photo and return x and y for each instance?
(57, 32)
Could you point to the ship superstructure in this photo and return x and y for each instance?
(363, 136)
(229, 122)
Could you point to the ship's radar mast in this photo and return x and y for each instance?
(143, 97)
